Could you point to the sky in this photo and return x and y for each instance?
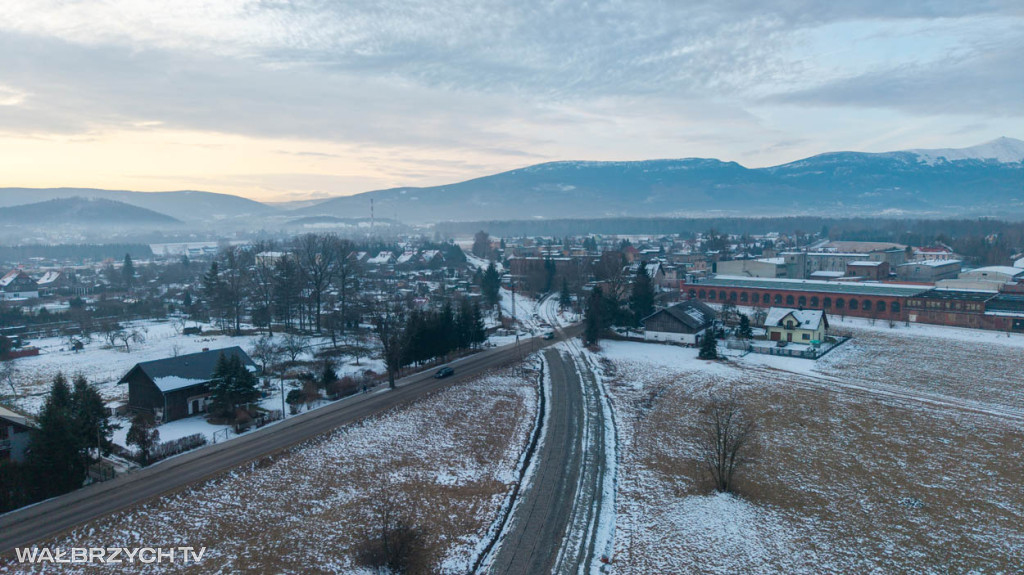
(285, 100)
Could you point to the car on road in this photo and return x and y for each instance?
(444, 372)
(549, 335)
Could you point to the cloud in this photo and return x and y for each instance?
(986, 82)
(459, 88)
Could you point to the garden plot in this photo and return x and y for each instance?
(844, 482)
(450, 457)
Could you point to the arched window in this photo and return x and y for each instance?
(693, 293)
(895, 307)
(754, 297)
(853, 303)
(801, 301)
(711, 294)
(701, 294)
(778, 298)
(867, 305)
(732, 296)
(880, 306)
(826, 302)
(814, 301)
(721, 295)
(789, 300)
(744, 297)
(840, 303)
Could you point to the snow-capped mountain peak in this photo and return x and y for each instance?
(1006, 150)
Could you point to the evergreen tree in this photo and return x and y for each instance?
(220, 387)
(478, 334)
(490, 285)
(565, 296)
(709, 345)
(144, 435)
(213, 291)
(744, 331)
(128, 272)
(641, 301)
(91, 419)
(232, 384)
(327, 373)
(56, 445)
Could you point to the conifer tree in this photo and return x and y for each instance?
(128, 272)
(144, 435)
(709, 345)
(56, 445)
(744, 331)
(490, 285)
(641, 300)
(91, 419)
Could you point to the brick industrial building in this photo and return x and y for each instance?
(1002, 311)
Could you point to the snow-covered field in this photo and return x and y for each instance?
(899, 452)
(449, 458)
(104, 366)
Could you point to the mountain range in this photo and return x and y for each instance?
(987, 179)
(82, 211)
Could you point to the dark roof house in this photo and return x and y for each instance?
(177, 387)
(682, 322)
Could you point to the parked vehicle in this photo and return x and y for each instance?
(444, 372)
(549, 335)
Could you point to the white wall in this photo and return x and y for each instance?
(668, 336)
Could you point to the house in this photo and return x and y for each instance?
(270, 258)
(432, 258)
(684, 322)
(16, 284)
(797, 325)
(382, 258)
(177, 387)
(14, 434)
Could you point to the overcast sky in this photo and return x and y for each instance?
(281, 100)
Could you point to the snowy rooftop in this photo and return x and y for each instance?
(808, 318)
(1008, 270)
(860, 288)
(933, 263)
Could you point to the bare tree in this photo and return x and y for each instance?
(262, 279)
(389, 325)
(130, 336)
(392, 542)
(317, 258)
(293, 346)
(8, 373)
(725, 439)
(266, 352)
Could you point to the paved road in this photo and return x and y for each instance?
(553, 527)
(52, 517)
